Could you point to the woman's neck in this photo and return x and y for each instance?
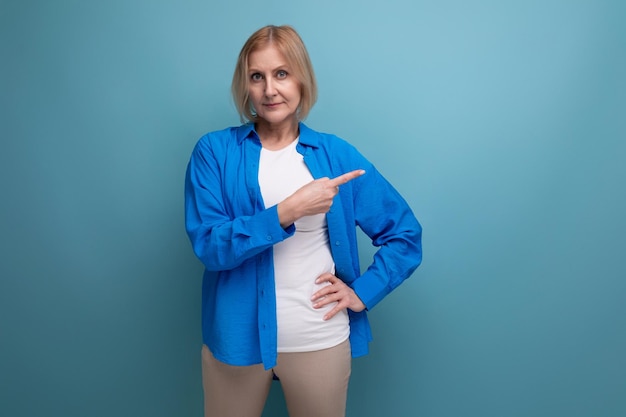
(275, 137)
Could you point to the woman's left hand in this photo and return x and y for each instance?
(337, 292)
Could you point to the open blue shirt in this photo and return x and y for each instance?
(233, 234)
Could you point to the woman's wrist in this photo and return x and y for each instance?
(286, 213)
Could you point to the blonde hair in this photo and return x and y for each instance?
(288, 42)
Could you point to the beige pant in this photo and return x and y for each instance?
(315, 384)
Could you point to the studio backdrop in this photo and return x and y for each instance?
(503, 123)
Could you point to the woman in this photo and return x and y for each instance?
(271, 210)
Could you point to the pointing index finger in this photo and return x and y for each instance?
(348, 176)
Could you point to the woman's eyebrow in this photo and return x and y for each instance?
(279, 67)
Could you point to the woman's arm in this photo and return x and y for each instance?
(219, 239)
(383, 214)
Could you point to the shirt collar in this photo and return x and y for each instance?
(308, 137)
(244, 131)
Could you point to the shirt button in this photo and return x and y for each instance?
(268, 237)
(337, 243)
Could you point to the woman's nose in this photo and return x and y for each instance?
(270, 89)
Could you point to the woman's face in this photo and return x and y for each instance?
(274, 91)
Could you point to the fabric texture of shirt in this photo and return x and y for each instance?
(233, 234)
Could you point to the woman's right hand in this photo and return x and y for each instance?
(313, 198)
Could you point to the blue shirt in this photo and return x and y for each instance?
(233, 233)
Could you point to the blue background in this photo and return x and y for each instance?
(503, 123)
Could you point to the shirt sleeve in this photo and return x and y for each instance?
(383, 214)
(222, 240)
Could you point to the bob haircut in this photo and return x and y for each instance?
(289, 43)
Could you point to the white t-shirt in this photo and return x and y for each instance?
(299, 260)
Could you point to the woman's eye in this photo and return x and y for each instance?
(281, 74)
(256, 77)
